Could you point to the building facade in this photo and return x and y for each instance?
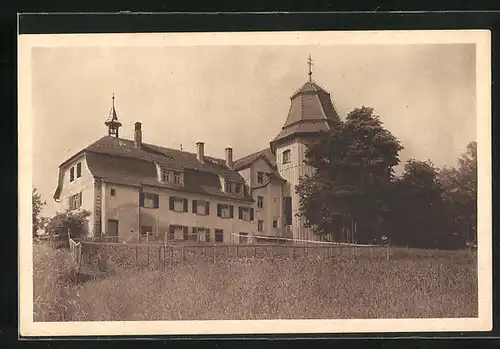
(136, 191)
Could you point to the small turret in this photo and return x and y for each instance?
(112, 122)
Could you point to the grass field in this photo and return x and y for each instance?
(431, 284)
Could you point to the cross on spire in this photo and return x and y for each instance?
(310, 64)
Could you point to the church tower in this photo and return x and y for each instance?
(311, 111)
(112, 122)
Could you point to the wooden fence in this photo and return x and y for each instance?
(75, 249)
(156, 256)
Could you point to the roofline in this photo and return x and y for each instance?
(292, 136)
(182, 189)
(250, 163)
(73, 157)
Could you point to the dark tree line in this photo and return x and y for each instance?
(355, 196)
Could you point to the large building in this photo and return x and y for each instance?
(137, 190)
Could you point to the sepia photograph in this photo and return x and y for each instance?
(280, 182)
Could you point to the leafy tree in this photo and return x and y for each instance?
(353, 165)
(417, 209)
(460, 195)
(73, 221)
(37, 205)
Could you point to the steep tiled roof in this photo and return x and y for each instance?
(311, 111)
(246, 161)
(119, 161)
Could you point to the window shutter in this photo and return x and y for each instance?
(186, 232)
(207, 208)
(194, 230)
(240, 213)
(141, 199)
(171, 204)
(251, 213)
(156, 199)
(185, 205)
(218, 210)
(194, 206)
(288, 210)
(207, 235)
(231, 213)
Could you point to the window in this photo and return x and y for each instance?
(177, 178)
(178, 233)
(274, 200)
(146, 230)
(72, 174)
(75, 201)
(245, 213)
(178, 204)
(172, 177)
(237, 188)
(228, 187)
(78, 170)
(194, 234)
(260, 202)
(201, 207)
(149, 200)
(243, 238)
(203, 234)
(113, 192)
(275, 224)
(286, 156)
(260, 177)
(224, 211)
(260, 225)
(219, 235)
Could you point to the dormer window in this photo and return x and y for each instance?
(172, 177)
(228, 187)
(286, 156)
(237, 188)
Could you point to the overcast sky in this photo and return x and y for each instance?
(239, 96)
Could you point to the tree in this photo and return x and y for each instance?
(417, 209)
(37, 205)
(353, 165)
(74, 222)
(460, 195)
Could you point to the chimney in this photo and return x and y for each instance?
(229, 157)
(138, 135)
(200, 154)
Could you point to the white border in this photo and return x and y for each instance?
(482, 40)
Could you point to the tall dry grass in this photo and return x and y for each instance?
(55, 292)
(307, 287)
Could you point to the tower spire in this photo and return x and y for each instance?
(112, 122)
(310, 64)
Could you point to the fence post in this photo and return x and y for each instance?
(159, 257)
(183, 255)
(148, 254)
(237, 252)
(214, 254)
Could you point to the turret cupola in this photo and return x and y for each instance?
(311, 111)
(112, 121)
